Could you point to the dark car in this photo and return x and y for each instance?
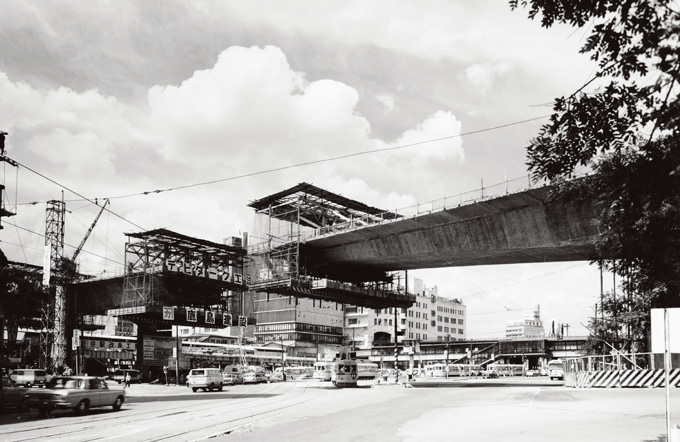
(11, 395)
(78, 393)
(490, 374)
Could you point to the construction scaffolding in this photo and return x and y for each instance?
(291, 217)
(53, 317)
(176, 279)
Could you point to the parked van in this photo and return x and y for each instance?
(28, 377)
(119, 375)
(205, 379)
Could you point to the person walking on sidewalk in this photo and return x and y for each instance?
(128, 378)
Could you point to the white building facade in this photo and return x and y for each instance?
(530, 327)
(431, 318)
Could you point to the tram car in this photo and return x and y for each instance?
(322, 371)
(367, 370)
(344, 373)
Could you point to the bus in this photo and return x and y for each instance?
(556, 369)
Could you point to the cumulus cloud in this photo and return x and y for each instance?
(442, 124)
(251, 101)
(249, 112)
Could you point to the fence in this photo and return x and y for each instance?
(620, 370)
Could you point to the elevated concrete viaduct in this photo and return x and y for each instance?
(526, 227)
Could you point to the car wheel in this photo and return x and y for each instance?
(194, 389)
(44, 411)
(210, 388)
(28, 385)
(82, 407)
(118, 403)
(219, 388)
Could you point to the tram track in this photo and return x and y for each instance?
(112, 422)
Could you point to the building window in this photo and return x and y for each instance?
(446, 329)
(352, 321)
(460, 321)
(439, 328)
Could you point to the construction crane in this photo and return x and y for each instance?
(87, 235)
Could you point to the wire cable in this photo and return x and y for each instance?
(78, 194)
(73, 247)
(292, 166)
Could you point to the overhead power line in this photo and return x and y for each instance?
(73, 247)
(78, 194)
(292, 166)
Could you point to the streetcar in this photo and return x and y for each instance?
(344, 373)
(322, 371)
(367, 370)
(439, 370)
(506, 369)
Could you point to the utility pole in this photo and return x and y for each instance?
(447, 356)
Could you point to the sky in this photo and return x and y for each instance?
(120, 99)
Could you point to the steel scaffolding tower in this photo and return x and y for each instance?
(53, 318)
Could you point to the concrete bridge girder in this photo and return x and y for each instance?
(521, 228)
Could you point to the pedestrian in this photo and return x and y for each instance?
(127, 379)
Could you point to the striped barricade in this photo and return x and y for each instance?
(627, 378)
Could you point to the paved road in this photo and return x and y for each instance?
(479, 410)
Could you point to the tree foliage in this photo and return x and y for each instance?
(21, 297)
(627, 132)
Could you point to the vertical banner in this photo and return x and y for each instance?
(47, 264)
(168, 313)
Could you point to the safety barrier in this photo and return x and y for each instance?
(623, 379)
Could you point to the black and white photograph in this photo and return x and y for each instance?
(340, 221)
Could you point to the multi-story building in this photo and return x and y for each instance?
(529, 327)
(431, 318)
(308, 327)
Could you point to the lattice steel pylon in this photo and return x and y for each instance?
(53, 333)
